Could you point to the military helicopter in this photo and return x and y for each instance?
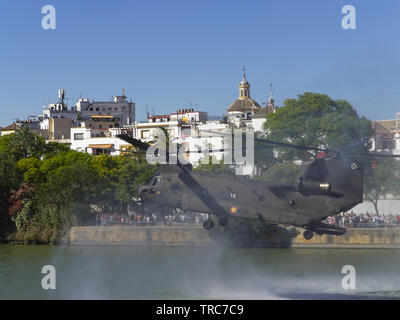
(327, 186)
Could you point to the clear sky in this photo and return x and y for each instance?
(169, 54)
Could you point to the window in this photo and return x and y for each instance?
(245, 92)
(97, 109)
(145, 134)
(78, 136)
(100, 126)
(241, 92)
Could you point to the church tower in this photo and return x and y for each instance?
(244, 87)
(244, 105)
(271, 100)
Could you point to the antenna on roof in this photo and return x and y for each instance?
(61, 95)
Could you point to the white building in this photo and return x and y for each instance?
(192, 130)
(99, 136)
(387, 135)
(119, 108)
(177, 124)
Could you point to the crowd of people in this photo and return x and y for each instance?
(151, 219)
(346, 220)
(364, 220)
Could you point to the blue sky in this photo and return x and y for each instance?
(168, 54)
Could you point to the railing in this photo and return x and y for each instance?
(369, 225)
(166, 223)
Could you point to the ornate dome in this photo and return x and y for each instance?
(244, 105)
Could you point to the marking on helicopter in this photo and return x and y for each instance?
(238, 210)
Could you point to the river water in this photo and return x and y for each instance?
(127, 272)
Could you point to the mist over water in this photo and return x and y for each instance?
(127, 272)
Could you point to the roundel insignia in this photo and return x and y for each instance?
(233, 210)
(354, 166)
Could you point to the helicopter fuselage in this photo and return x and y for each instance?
(324, 189)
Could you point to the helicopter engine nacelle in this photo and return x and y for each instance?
(313, 187)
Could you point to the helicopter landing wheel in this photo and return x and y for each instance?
(223, 221)
(308, 235)
(208, 224)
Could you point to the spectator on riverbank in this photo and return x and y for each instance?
(149, 219)
(364, 220)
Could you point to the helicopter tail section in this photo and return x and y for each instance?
(343, 179)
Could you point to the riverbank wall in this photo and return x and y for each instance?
(197, 236)
(140, 236)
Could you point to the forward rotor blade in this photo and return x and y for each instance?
(277, 143)
(372, 154)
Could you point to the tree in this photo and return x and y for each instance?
(131, 174)
(283, 172)
(316, 120)
(9, 180)
(381, 179)
(211, 168)
(23, 144)
(106, 171)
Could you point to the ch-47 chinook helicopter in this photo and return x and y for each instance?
(327, 186)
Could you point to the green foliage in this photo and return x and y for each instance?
(214, 167)
(30, 169)
(316, 120)
(53, 148)
(9, 180)
(68, 186)
(23, 144)
(282, 172)
(23, 217)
